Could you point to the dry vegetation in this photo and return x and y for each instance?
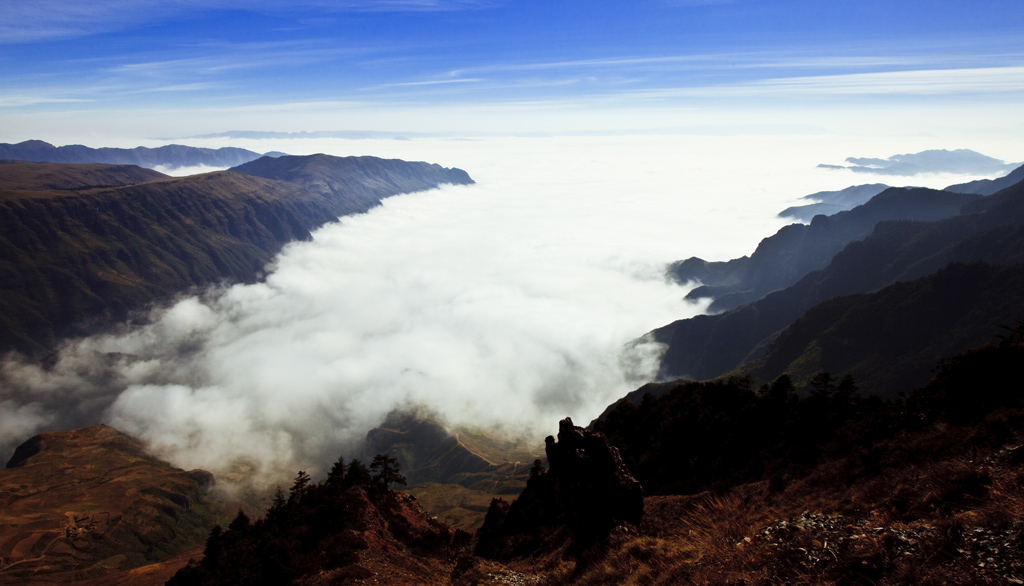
(951, 521)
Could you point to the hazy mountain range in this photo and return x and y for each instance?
(932, 161)
(171, 156)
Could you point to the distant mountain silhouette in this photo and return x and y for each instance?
(833, 202)
(963, 161)
(989, 186)
(347, 134)
(989, 229)
(170, 156)
(798, 249)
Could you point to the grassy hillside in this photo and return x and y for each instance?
(68, 257)
(21, 176)
(82, 245)
(86, 503)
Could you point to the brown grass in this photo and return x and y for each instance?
(957, 518)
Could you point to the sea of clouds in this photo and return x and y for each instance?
(505, 305)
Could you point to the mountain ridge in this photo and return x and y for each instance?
(990, 229)
(171, 156)
(795, 250)
(74, 260)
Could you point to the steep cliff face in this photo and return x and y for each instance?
(89, 502)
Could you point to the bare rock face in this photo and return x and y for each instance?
(586, 493)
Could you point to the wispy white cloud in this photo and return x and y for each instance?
(429, 82)
(218, 58)
(935, 81)
(41, 20)
(18, 101)
(987, 80)
(184, 87)
(740, 60)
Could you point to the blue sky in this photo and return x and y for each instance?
(179, 67)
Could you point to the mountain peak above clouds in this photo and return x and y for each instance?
(959, 161)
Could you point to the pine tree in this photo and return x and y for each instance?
(241, 522)
(357, 473)
(387, 469)
(337, 473)
(299, 487)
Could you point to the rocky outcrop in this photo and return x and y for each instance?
(585, 494)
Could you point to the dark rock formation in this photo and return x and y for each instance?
(584, 495)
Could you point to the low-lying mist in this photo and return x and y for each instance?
(505, 305)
